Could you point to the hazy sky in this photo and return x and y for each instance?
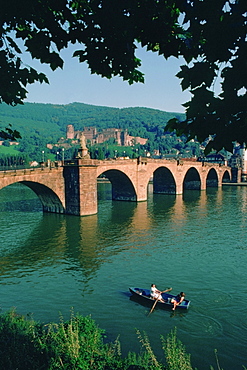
(76, 84)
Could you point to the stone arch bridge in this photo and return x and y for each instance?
(72, 188)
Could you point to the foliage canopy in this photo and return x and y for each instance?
(210, 35)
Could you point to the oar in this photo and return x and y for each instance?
(167, 290)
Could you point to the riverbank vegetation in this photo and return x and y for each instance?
(78, 344)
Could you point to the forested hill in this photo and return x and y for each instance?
(49, 121)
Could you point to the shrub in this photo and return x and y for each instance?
(76, 344)
(176, 356)
(19, 348)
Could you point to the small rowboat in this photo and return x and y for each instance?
(144, 295)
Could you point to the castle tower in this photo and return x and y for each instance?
(70, 134)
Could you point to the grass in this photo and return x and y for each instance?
(77, 344)
(8, 150)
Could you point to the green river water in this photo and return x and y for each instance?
(196, 243)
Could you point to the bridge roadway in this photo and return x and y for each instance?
(72, 188)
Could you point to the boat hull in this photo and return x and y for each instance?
(144, 295)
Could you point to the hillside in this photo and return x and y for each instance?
(48, 121)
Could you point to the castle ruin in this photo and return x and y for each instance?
(91, 134)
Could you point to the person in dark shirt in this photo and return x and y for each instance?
(178, 300)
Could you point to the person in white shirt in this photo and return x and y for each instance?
(156, 293)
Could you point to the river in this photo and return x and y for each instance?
(196, 243)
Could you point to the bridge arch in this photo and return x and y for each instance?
(122, 186)
(212, 179)
(49, 200)
(192, 180)
(226, 176)
(163, 181)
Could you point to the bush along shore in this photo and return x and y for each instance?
(79, 344)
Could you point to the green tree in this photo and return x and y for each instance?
(6, 143)
(210, 35)
(101, 153)
(216, 36)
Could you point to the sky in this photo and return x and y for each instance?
(75, 83)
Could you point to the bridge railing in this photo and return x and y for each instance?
(13, 168)
(41, 165)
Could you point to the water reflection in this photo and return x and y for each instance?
(35, 250)
(88, 242)
(48, 262)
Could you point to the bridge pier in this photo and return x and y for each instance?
(88, 190)
(141, 185)
(81, 188)
(179, 188)
(203, 183)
